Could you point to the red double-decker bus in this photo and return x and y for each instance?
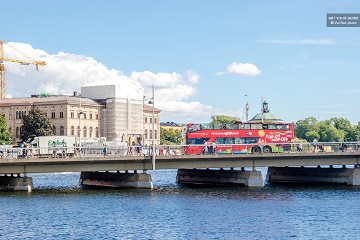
(239, 137)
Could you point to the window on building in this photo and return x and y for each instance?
(52, 114)
(146, 134)
(72, 115)
(72, 131)
(78, 131)
(91, 116)
(155, 120)
(155, 134)
(84, 115)
(17, 132)
(150, 120)
(150, 134)
(10, 117)
(84, 132)
(97, 116)
(62, 131)
(145, 120)
(90, 132)
(17, 115)
(54, 130)
(61, 114)
(97, 132)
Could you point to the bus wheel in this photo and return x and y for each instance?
(256, 150)
(267, 149)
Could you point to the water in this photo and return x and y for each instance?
(59, 208)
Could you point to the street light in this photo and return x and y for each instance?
(152, 101)
(80, 112)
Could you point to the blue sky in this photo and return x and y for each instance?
(203, 56)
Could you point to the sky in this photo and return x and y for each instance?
(204, 58)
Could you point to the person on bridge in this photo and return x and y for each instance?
(314, 144)
(2, 150)
(105, 150)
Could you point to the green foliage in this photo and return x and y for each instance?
(35, 123)
(170, 136)
(304, 126)
(333, 130)
(5, 135)
(223, 119)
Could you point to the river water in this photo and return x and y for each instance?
(58, 208)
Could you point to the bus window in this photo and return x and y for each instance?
(239, 140)
(282, 127)
(256, 126)
(271, 126)
(217, 126)
(244, 126)
(251, 140)
(206, 126)
(194, 128)
(231, 126)
(229, 140)
(219, 141)
(197, 141)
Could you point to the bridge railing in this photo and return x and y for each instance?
(168, 150)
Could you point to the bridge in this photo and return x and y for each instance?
(224, 169)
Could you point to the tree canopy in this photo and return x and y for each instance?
(223, 119)
(5, 135)
(170, 136)
(35, 123)
(333, 130)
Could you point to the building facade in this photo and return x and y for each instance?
(63, 113)
(148, 125)
(111, 119)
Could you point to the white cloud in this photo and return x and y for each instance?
(220, 73)
(304, 41)
(66, 73)
(246, 69)
(193, 77)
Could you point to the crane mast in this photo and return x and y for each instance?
(22, 62)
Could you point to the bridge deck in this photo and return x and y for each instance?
(48, 165)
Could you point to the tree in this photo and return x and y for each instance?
(311, 135)
(35, 123)
(5, 135)
(328, 133)
(170, 136)
(344, 125)
(223, 119)
(304, 126)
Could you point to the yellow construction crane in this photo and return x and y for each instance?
(22, 62)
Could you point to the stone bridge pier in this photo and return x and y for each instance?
(220, 177)
(116, 179)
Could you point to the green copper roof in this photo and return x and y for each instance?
(266, 117)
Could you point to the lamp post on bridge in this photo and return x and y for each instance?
(152, 101)
(80, 112)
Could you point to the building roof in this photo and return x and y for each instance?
(70, 100)
(149, 108)
(266, 117)
(170, 124)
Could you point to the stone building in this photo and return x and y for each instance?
(111, 109)
(62, 111)
(125, 117)
(148, 125)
